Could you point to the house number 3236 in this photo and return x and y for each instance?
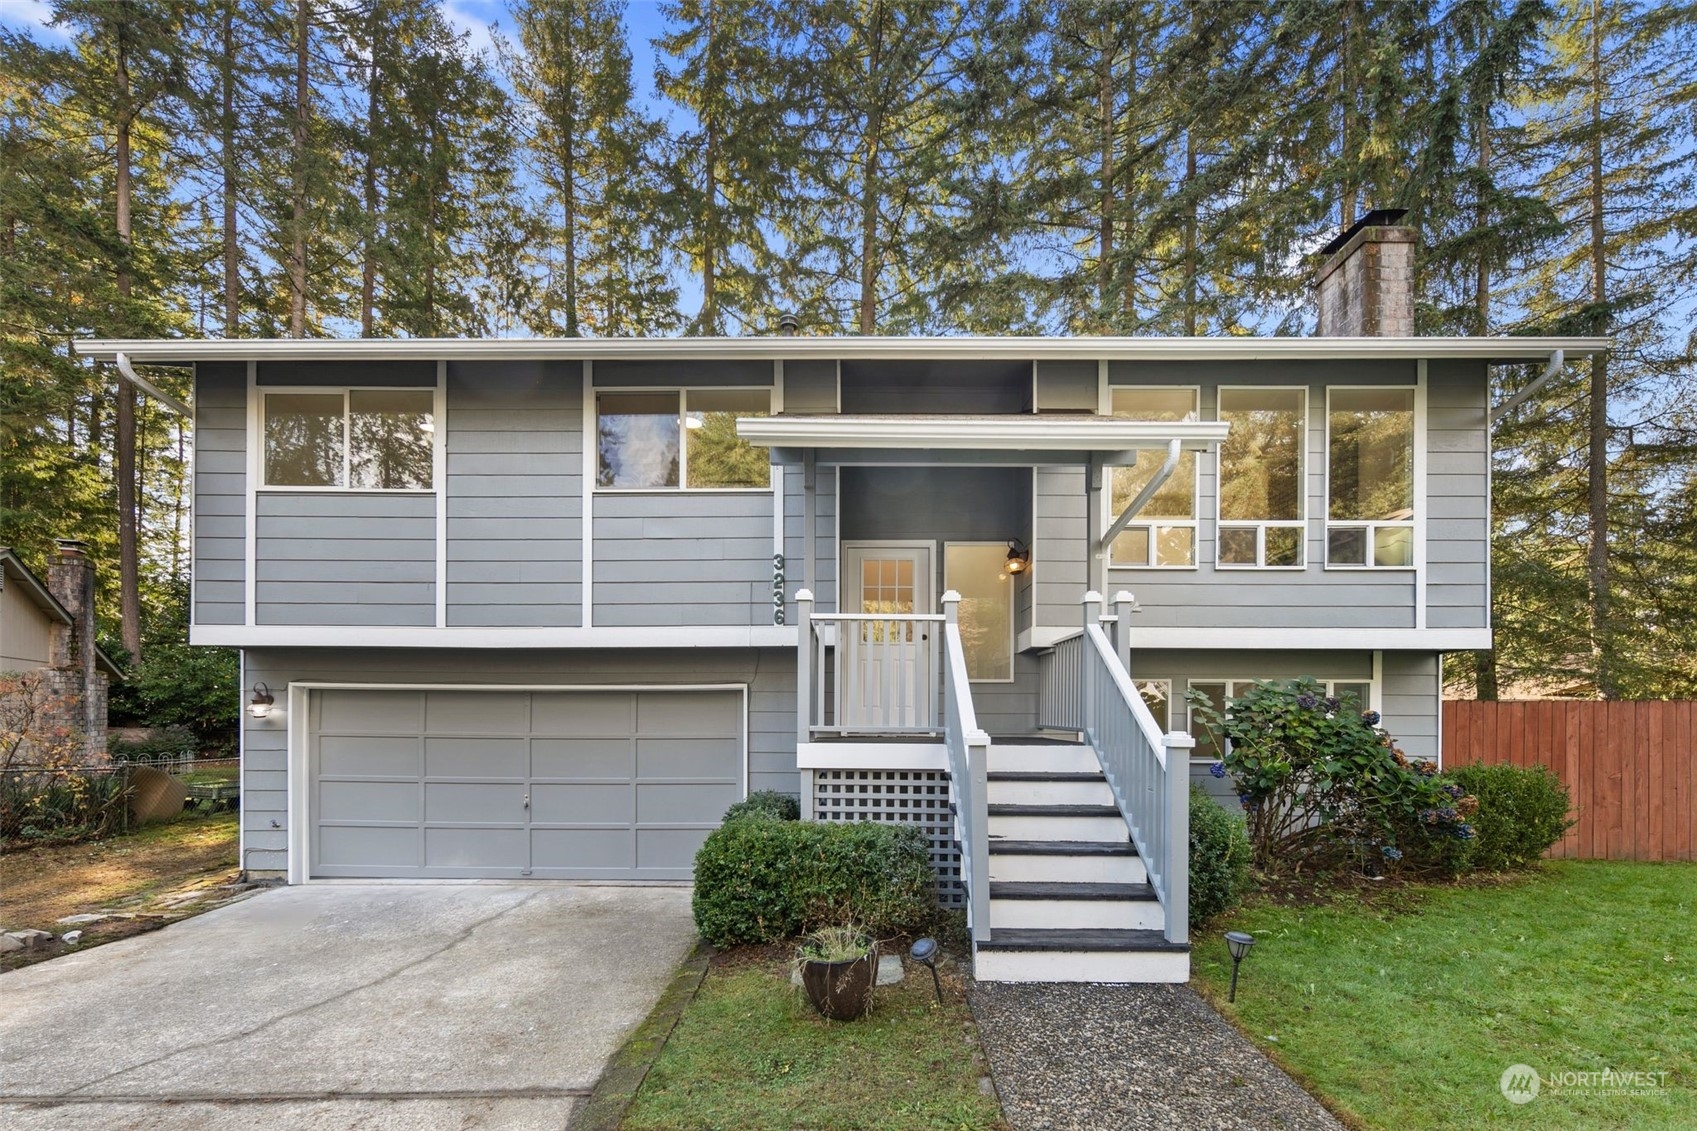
(777, 589)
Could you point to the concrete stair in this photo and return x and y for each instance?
(1069, 897)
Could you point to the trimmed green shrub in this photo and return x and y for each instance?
(1219, 858)
(1522, 812)
(167, 744)
(763, 880)
(767, 803)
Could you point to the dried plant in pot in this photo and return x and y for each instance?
(838, 967)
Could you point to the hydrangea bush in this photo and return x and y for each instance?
(1323, 785)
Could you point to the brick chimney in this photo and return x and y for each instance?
(1367, 281)
(72, 651)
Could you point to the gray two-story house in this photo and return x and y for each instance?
(544, 608)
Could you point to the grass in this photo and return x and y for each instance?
(1405, 1012)
(750, 1054)
(128, 873)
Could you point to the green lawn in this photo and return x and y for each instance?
(749, 1054)
(1407, 1019)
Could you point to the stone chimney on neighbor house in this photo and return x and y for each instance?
(1367, 280)
(72, 652)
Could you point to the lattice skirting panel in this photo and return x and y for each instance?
(913, 797)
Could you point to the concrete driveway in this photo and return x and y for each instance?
(416, 1006)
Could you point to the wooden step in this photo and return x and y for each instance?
(1080, 891)
(1057, 822)
(1078, 955)
(1042, 788)
(1065, 861)
(1075, 906)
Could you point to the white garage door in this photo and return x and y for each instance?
(550, 784)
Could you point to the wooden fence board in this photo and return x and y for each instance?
(1630, 767)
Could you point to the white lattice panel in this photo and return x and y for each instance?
(912, 797)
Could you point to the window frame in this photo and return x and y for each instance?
(437, 429)
(1013, 606)
(1371, 527)
(593, 433)
(1260, 526)
(1138, 684)
(1328, 685)
(1193, 523)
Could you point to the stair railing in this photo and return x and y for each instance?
(969, 764)
(1149, 772)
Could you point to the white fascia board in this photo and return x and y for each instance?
(1012, 433)
(310, 636)
(1316, 639)
(168, 351)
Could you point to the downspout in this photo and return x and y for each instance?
(152, 390)
(1557, 359)
(1164, 473)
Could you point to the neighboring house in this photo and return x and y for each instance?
(544, 608)
(48, 628)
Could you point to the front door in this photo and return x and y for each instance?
(886, 665)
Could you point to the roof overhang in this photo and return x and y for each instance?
(978, 433)
(187, 351)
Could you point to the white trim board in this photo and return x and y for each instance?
(1282, 639)
(363, 636)
(871, 756)
(299, 788)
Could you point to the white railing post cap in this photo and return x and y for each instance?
(1181, 740)
(804, 594)
(951, 596)
(1124, 598)
(1091, 597)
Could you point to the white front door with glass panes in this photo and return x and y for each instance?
(1221, 692)
(885, 665)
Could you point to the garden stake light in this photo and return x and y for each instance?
(1238, 943)
(924, 952)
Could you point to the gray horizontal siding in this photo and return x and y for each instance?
(683, 558)
(825, 556)
(810, 387)
(345, 558)
(1059, 571)
(1066, 386)
(220, 493)
(358, 374)
(515, 494)
(1458, 495)
(1412, 698)
(769, 676)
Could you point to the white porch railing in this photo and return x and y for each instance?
(1148, 772)
(969, 763)
(870, 673)
(1060, 685)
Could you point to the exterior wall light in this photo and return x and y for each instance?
(1238, 943)
(260, 708)
(1019, 557)
(924, 952)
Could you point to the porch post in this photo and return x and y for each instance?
(1123, 603)
(803, 665)
(809, 521)
(1177, 848)
(1092, 603)
(1095, 567)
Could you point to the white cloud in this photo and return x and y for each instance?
(469, 16)
(33, 18)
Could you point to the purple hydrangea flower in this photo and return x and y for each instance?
(1307, 702)
(1371, 718)
(1218, 769)
(1332, 703)
(1391, 852)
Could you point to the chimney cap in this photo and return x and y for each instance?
(788, 324)
(1378, 217)
(71, 547)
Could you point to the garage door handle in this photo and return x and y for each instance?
(527, 801)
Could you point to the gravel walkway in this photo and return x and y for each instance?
(1079, 1057)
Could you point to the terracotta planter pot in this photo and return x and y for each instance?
(841, 991)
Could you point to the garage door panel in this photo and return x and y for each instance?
(688, 758)
(478, 712)
(583, 758)
(368, 756)
(582, 850)
(368, 801)
(371, 712)
(669, 850)
(582, 804)
(473, 848)
(683, 804)
(473, 802)
(367, 847)
(574, 713)
(688, 714)
(476, 758)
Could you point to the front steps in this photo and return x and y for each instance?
(1069, 896)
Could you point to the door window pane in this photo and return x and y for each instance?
(390, 433)
(303, 439)
(637, 440)
(1370, 454)
(1261, 460)
(977, 573)
(718, 457)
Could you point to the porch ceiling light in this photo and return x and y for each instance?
(1238, 942)
(1019, 556)
(260, 708)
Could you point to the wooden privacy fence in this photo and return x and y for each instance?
(1631, 767)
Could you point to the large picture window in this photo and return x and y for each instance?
(1370, 478)
(362, 439)
(977, 571)
(1261, 489)
(1163, 534)
(686, 439)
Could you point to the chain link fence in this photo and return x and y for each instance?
(61, 804)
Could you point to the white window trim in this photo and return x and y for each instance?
(1193, 523)
(1013, 608)
(1414, 524)
(1329, 686)
(1303, 474)
(592, 439)
(438, 429)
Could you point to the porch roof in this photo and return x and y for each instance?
(1082, 434)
